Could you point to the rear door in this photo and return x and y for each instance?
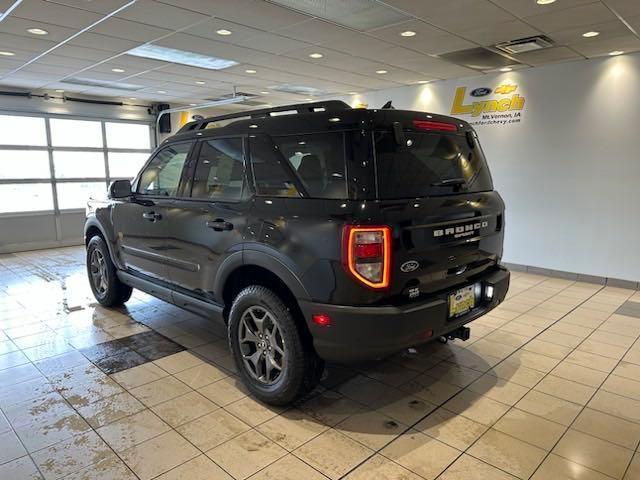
(207, 223)
(141, 222)
(436, 191)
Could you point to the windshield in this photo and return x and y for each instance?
(430, 164)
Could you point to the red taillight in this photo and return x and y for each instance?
(322, 320)
(367, 254)
(431, 125)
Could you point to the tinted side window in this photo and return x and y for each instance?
(220, 170)
(319, 161)
(162, 175)
(271, 173)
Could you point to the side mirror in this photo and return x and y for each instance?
(120, 189)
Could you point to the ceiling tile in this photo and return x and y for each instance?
(547, 55)
(428, 39)
(18, 26)
(99, 6)
(610, 29)
(265, 16)
(75, 51)
(71, 64)
(160, 15)
(208, 29)
(527, 8)
(182, 41)
(102, 42)
(332, 59)
(634, 22)
(267, 42)
(11, 42)
(627, 43)
(48, 12)
(626, 8)
(358, 44)
(315, 31)
(454, 16)
(125, 29)
(7, 66)
(581, 16)
(486, 35)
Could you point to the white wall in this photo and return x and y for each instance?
(569, 172)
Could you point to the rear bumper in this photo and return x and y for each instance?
(364, 333)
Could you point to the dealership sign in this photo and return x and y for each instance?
(502, 105)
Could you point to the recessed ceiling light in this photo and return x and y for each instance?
(37, 31)
(199, 82)
(223, 32)
(353, 93)
(132, 98)
(506, 69)
(334, 119)
(381, 72)
(192, 104)
(161, 91)
(117, 70)
(544, 2)
(422, 82)
(408, 33)
(309, 99)
(183, 57)
(60, 91)
(316, 55)
(265, 93)
(4, 53)
(616, 52)
(590, 34)
(250, 71)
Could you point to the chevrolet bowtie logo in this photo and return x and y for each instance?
(506, 89)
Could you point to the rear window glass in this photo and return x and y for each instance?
(430, 164)
(311, 164)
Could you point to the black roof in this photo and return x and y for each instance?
(332, 115)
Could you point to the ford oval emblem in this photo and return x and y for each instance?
(409, 266)
(480, 92)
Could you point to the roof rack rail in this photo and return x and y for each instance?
(328, 106)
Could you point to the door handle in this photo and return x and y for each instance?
(220, 225)
(152, 216)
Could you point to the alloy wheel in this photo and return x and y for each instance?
(98, 268)
(261, 345)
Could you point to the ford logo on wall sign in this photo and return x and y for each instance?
(409, 266)
(480, 92)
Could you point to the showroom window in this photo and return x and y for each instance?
(56, 164)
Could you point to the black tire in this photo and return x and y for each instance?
(112, 292)
(301, 366)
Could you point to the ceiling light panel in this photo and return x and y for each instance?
(299, 89)
(94, 82)
(358, 14)
(182, 57)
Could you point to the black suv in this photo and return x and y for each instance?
(315, 232)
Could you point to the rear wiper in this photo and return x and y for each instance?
(449, 181)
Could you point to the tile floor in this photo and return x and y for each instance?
(548, 387)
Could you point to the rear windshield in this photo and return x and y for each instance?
(430, 164)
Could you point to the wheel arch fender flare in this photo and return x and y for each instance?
(93, 223)
(267, 259)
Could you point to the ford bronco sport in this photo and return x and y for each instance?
(316, 232)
